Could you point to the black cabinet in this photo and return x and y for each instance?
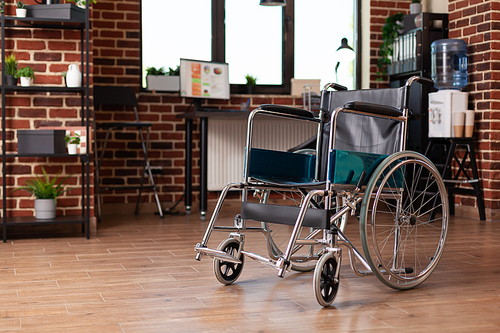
(80, 24)
(412, 56)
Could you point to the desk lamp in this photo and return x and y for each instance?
(344, 53)
(273, 2)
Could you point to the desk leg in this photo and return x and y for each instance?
(189, 167)
(203, 166)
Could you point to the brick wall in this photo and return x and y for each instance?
(49, 52)
(478, 23)
(379, 11)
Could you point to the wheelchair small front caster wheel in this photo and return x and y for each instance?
(228, 272)
(326, 279)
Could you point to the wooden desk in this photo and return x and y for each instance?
(203, 116)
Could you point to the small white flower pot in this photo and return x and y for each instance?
(72, 148)
(45, 209)
(415, 8)
(26, 81)
(21, 12)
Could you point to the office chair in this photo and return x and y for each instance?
(121, 96)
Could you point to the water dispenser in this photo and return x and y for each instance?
(449, 63)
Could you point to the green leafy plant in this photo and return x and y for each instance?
(82, 2)
(155, 71)
(389, 33)
(20, 4)
(162, 71)
(25, 72)
(251, 80)
(43, 187)
(416, 1)
(176, 71)
(10, 65)
(72, 139)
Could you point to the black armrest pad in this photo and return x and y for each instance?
(384, 110)
(287, 110)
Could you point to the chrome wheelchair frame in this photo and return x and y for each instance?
(399, 198)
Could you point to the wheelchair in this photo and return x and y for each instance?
(300, 201)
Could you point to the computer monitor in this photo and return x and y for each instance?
(204, 79)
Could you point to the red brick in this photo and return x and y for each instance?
(30, 45)
(62, 46)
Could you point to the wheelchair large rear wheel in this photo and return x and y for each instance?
(304, 257)
(404, 220)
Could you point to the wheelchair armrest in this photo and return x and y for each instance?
(287, 110)
(384, 110)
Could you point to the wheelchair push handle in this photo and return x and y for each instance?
(426, 81)
(335, 86)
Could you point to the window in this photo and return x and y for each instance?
(254, 46)
(320, 26)
(274, 44)
(167, 38)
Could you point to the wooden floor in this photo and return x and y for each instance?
(138, 274)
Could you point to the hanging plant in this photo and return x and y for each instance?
(389, 34)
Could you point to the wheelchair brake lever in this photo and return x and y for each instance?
(361, 181)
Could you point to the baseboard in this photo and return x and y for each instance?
(473, 212)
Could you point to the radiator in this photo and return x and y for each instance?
(227, 139)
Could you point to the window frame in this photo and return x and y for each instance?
(288, 44)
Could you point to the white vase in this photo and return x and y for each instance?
(72, 148)
(73, 77)
(21, 12)
(26, 81)
(45, 209)
(415, 8)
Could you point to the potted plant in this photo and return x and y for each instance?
(63, 74)
(416, 7)
(81, 3)
(162, 80)
(10, 70)
(251, 82)
(73, 140)
(46, 192)
(390, 30)
(27, 75)
(20, 9)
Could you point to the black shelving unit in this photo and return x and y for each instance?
(82, 25)
(414, 58)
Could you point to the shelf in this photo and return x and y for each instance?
(79, 23)
(43, 155)
(44, 89)
(31, 220)
(39, 22)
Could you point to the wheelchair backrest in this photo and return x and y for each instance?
(361, 133)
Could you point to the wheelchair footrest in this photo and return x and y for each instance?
(314, 218)
(217, 254)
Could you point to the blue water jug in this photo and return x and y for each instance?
(449, 63)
